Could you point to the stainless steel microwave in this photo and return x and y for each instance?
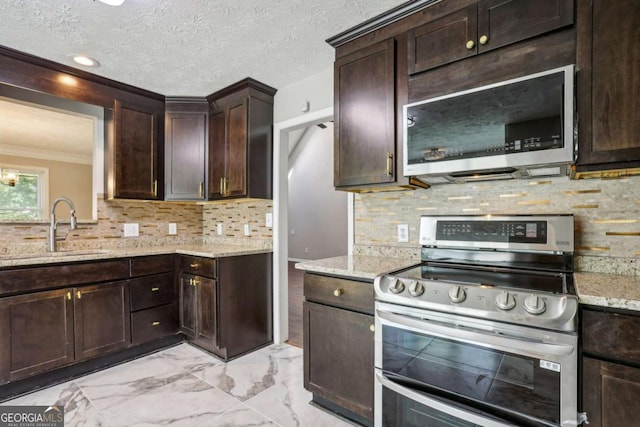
(519, 128)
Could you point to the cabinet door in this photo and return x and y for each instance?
(502, 22)
(136, 160)
(364, 115)
(610, 393)
(217, 149)
(102, 319)
(36, 333)
(188, 307)
(206, 332)
(186, 139)
(236, 150)
(608, 84)
(443, 40)
(338, 357)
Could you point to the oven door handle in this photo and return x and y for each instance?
(439, 405)
(478, 337)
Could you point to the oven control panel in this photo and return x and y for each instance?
(533, 308)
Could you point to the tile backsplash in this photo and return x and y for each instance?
(196, 223)
(607, 214)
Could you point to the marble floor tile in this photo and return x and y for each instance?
(255, 372)
(287, 403)
(189, 357)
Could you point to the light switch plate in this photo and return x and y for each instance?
(247, 231)
(268, 221)
(173, 228)
(403, 233)
(219, 229)
(131, 230)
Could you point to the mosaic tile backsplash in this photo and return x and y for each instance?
(607, 215)
(196, 224)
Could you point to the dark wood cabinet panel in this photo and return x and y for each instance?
(342, 293)
(206, 329)
(338, 352)
(151, 291)
(443, 40)
(240, 141)
(135, 169)
(608, 82)
(36, 333)
(198, 265)
(101, 319)
(607, 334)
(364, 117)
(188, 307)
(610, 393)
(154, 323)
(186, 135)
(154, 264)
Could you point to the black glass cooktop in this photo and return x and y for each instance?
(517, 279)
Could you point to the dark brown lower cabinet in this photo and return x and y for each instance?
(198, 310)
(610, 393)
(36, 333)
(610, 366)
(339, 357)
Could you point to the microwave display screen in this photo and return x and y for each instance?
(521, 116)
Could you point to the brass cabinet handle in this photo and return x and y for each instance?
(225, 187)
(389, 170)
(155, 289)
(221, 186)
(201, 191)
(470, 44)
(338, 292)
(372, 328)
(155, 188)
(484, 39)
(78, 294)
(194, 265)
(196, 282)
(155, 323)
(190, 282)
(69, 295)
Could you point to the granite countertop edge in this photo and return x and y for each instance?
(206, 251)
(356, 266)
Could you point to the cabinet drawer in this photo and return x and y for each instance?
(151, 291)
(612, 334)
(154, 323)
(199, 266)
(144, 265)
(343, 293)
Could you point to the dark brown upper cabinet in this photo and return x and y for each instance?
(186, 135)
(608, 82)
(241, 141)
(135, 155)
(364, 116)
(488, 25)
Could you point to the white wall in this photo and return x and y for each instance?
(317, 90)
(317, 212)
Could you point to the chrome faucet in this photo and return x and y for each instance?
(73, 222)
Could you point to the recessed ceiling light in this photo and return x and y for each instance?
(113, 2)
(84, 60)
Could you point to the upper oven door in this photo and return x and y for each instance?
(512, 372)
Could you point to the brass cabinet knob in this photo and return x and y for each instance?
(155, 289)
(69, 295)
(338, 292)
(193, 265)
(372, 328)
(484, 39)
(155, 323)
(470, 44)
(78, 294)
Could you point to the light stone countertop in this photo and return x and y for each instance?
(608, 290)
(208, 251)
(356, 266)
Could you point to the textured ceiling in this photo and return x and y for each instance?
(187, 47)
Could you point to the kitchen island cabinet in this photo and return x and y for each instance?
(608, 82)
(338, 328)
(610, 366)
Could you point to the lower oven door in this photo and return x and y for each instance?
(518, 375)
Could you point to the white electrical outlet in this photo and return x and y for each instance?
(403, 233)
(173, 228)
(268, 221)
(219, 229)
(247, 231)
(131, 230)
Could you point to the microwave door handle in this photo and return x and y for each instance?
(501, 342)
(438, 405)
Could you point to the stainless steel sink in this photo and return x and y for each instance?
(57, 254)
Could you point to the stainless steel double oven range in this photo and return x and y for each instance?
(484, 331)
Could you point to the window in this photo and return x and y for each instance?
(27, 200)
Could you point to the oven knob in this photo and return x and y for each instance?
(416, 289)
(534, 304)
(457, 294)
(505, 301)
(396, 287)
